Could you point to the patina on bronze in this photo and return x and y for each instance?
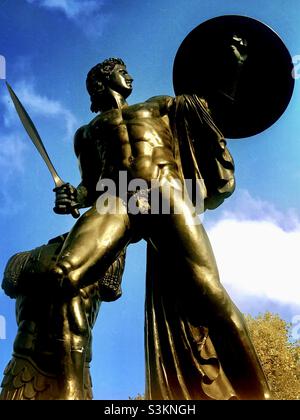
(197, 343)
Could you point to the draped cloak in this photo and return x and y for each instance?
(181, 359)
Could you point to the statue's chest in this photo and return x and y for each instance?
(110, 120)
(120, 127)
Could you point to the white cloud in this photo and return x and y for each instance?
(245, 207)
(87, 14)
(73, 9)
(38, 105)
(11, 155)
(259, 258)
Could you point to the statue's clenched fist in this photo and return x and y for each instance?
(66, 200)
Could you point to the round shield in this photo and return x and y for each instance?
(241, 67)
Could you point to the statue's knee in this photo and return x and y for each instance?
(219, 299)
(220, 302)
(240, 324)
(208, 280)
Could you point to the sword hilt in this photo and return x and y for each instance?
(75, 212)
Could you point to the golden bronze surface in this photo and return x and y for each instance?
(197, 343)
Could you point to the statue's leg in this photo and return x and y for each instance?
(72, 340)
(187, 244)
(91, 247)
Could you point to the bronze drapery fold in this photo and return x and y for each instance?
(181, 361)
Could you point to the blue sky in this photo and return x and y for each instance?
(49, 45)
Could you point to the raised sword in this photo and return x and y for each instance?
(37, 141)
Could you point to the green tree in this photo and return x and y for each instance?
(280, 357)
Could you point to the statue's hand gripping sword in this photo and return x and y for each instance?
(37, 141)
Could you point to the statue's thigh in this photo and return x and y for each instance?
(95, 236)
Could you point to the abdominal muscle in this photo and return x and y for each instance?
(147, 150)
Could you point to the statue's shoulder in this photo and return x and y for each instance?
(80, 138)
(164, 102)
(85, 134)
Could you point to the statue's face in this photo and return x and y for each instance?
(120, 81)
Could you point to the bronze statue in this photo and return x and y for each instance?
(52, 349)
(197, 343)
(147, 141)
(151, 141)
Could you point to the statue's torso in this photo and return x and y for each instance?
(137, 139)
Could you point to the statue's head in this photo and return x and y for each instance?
(110, 75)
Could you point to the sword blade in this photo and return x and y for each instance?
(34, 135)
